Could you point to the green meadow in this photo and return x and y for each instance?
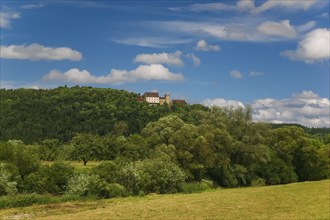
(305, 200)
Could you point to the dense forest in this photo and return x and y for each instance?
(145, 148)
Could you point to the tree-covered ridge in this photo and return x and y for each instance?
(34, 115)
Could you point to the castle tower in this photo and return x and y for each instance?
(167, 98)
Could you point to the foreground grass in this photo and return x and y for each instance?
(308, 200)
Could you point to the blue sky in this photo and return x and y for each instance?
(271, 54)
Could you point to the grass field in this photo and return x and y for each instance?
(307, 200)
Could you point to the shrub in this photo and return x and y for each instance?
(161, 176)
(51, 179)
(194, 187)
(22, 200)
(258, 182)
(116, 190)
(107, 170)
(8, 186)
(210, 183)
(151, 176)
(36, 183)
(59, 174)
(88, 186)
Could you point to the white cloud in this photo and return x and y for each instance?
(153, 42)
(142, 72)
(39, 52)
(248, 5)
(194, 58)
(32, 6)
(6, 17)
(173, 59)
(245, 5)
(279, 29)
(237, 29)
(290, 4)
(212, 7)
(204, 46)
(314, 47)
(305, 108)
(236, 74)
(223, 103)
(306, 27)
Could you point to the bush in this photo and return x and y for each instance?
(88, 186)
(8, 186)
(194, 187)
(258, 182)
(36, 183)
(116, 190)
(52, 179)
(107, 170)
(151, 176)
(22, 200)
(59, 174)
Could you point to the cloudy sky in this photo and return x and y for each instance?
(271, 54)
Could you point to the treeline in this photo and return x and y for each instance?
(222, 147)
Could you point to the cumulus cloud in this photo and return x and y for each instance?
(291, 4)
(279, 29)
(236, 74)
(234, 30)
(204, 46)
(142, 72)
(6, 17)
(314, 47)
(194, 58)
(248, 5)
(173, 59)
(305, 108)
(223, 103)
(38, 52)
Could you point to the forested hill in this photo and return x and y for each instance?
(33, 115)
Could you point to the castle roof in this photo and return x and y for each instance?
(150, 94)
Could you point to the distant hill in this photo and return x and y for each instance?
(321, 132)
(33, 115)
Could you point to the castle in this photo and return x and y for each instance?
(153, 98)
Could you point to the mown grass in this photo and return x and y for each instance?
(307, 200)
